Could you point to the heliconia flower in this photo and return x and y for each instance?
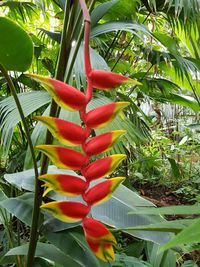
(67, 211)
(63, 157)
(66, 132)
(102, 191)
(102, 167)
(64, 184)
(64, 95)
(102, 143)
(106, 80)
(99, 239)
(101, 116)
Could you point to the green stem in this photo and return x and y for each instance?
(28, 136)
(111, 47)
(124, 50)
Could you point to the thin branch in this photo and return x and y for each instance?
(127, 45)
(28, 136)
(25, 124)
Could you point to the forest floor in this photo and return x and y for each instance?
(163, 196)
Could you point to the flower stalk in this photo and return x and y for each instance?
(98, 237)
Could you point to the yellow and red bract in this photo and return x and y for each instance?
(64, 95)
(64, 184)
(66, 132)
(102, 143)
(102, 191)
(99, 239)
(101, 116)
(67, 211)
(102, 167)
(63, 157)
(106, 80)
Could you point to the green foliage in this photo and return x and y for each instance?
(16, 48)
(153, 41)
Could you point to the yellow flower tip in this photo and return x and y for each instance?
(118, 133)
(47, 191)
(44, 147)
(41, 79)
(39, 147)
(118, 157)
(51, 207)
(39, 118)
(132, 81)
(122, 104)
(116, 160)
(116, 181)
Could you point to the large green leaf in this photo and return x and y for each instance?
(116, 213)
(189, 235)
(4, 215)
(16, 48)
(73, 243)
(167, 41)
(165, 226)
(49, 252)
(118, 25)
(127, 261)
(100, 11)
(171, 210)
(160, 259)
(21, 207)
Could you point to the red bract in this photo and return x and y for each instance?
(65, 184)
(99, 239)
(101, 116)
(106, 80)
(66, 132)
(67, 211)
(63, 157)
(102, 167)
(64, 95)
(102, 191)
(102, 143)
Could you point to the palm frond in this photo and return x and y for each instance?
(9, 115)
(20, 10)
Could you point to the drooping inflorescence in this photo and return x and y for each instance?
(98, 237)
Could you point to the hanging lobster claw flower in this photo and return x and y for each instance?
(63, 157)
(99, 239)
(106, 80)
(64, 184)
(102, 191)
(101, 116)
(67, 211)
(102, 167)
(66, 132)
(64, 95)
(102, 143)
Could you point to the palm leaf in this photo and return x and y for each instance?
(119, 25)
(9, 114)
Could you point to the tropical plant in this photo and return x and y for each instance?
(138, 38)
